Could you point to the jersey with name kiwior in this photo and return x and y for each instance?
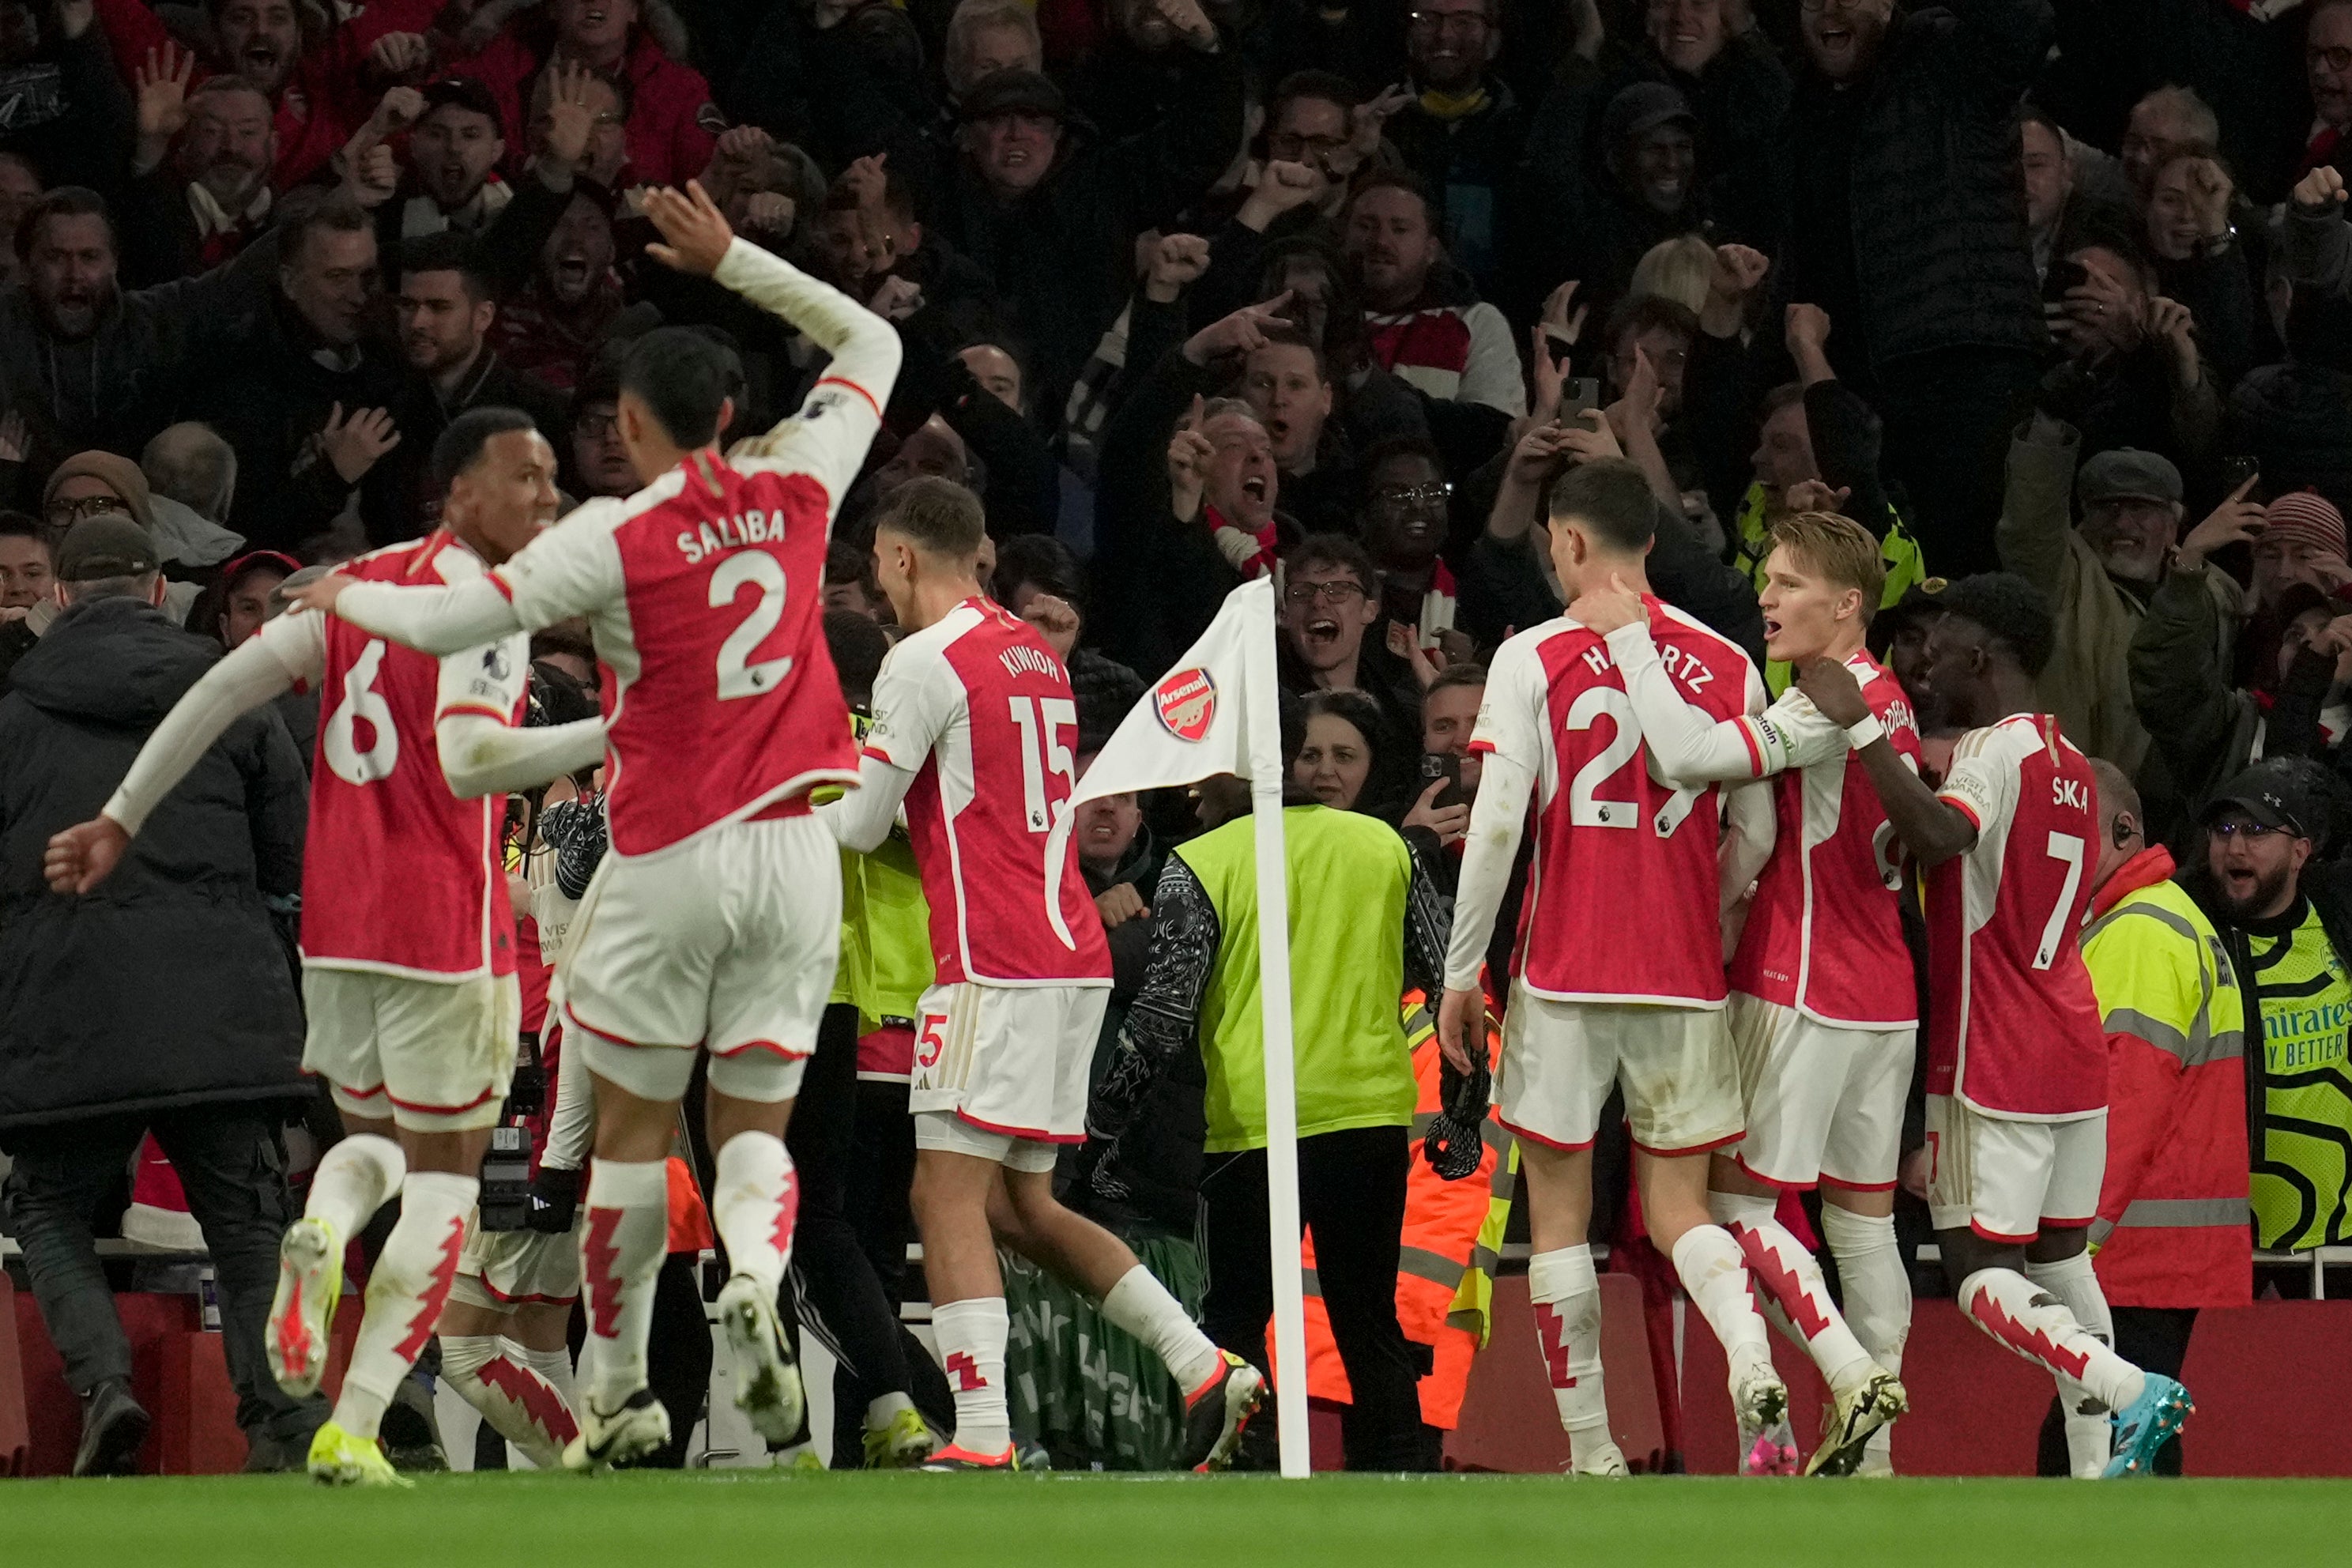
(705, 593)
(1824, 935)
(1622, 901)
(980, 710)
(399, 876)
(2016, 1029)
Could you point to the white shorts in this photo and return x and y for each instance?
(434, 1056)
(1559, 1059)
(1005, 1066)
(727, 943)
(1824, 1100)
(2009, 1181)
(503, 1268)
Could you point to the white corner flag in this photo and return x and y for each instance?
(1217, 712)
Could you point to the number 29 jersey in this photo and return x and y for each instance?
(2015, 1030)
(980, 710)
(399, 876)
(1621, 902)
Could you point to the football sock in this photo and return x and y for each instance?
(1141, 1305)
(1877, 1298)
(519, 1404)
(2036, 1324)
(554, 1366)
(619, 1255)
(1792, 1276)
(406, 1294)
(1567, 1296)
(1715, 1276)
(354, 1180)
(2090, 1435)
(753, 1205)
(971, 1335)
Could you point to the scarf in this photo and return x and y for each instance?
(1452, 106)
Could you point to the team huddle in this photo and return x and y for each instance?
(1761, 1043)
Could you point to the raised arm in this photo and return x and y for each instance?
(435, 620)
(1932, 828)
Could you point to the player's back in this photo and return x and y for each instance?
(1824, 935)
(1621, 905)
(723, 703)
(398, 874)
(2015, 1030)
(979, 710)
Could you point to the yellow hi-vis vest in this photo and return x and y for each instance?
(1906, 568)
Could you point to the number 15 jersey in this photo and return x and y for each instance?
(1622, 902)
(2015, 1030)
(979, 709)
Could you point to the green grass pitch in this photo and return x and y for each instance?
(672, 1520)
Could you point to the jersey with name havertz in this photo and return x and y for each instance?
(400, 876)
(2020, 1036)
(980, 710)
(705, 594)
(1622, 903)
(1824, 935)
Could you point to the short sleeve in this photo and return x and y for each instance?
(1510, 716)
(1983, 779)
(489, 680)
(298, 641)
(570, 569)
(913, 706)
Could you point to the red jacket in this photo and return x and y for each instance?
(670, 133)
(2174, 1227)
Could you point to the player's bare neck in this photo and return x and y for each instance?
(936, 598)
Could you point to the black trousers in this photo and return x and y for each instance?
(2153, 1339)
(1949, 415)
(1352, 1192)
(232, 1164)
(838, 1289)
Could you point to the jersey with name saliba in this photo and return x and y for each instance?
(1621, 902)
(2016, 1030)
(704, 596)
(399, 876)
(980, 710)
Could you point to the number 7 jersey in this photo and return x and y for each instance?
(2014, 1030)
(1622, 903)
(980, 710)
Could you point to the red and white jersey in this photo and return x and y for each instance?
(399, 876)
(1622, 903)
(979, 709)
(1824, 935)
(2016, 1030)
(705, 593)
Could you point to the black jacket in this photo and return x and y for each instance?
(1934, 209)
(165, 986)
(396, 499)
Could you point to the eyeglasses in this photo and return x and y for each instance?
(63, 510)
(1332, 593)
(1449, 21)
(2338, 59)
(1288, 144)
(1398, 497)
(1818, 6)
(596, 427)
(2252, 832)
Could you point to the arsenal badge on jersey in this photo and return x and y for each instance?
(1186, 703)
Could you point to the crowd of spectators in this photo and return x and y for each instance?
(1194, 291)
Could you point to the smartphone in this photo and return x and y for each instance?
(1447, 765)
(2236, 471)
(2063, 276)
(1576, 398)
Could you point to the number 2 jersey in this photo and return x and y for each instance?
(1622, 902)
(979, 709)
(399, 876)
(2015, 1031)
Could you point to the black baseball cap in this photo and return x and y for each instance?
(1641, 109)
(1014, 92)
(2278, 793)
(466, 93)
(110, 544)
